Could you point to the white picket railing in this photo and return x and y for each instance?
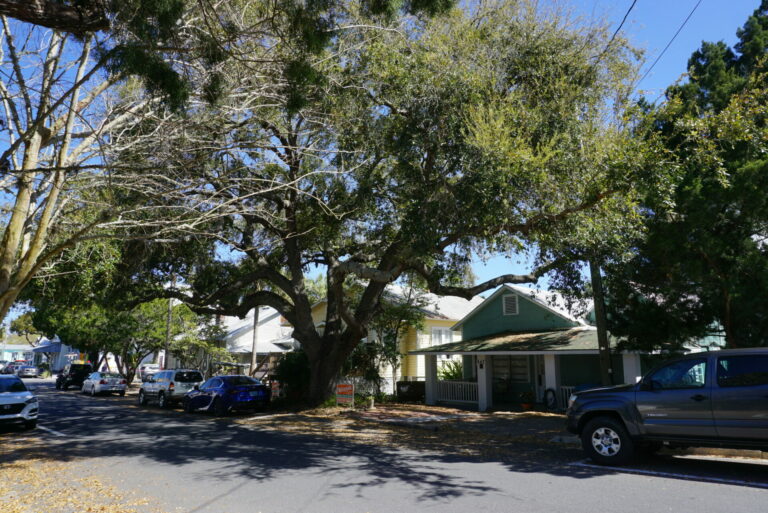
(565, 393)
(457, 391)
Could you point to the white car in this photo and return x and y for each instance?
(103, 382)
(17, 402)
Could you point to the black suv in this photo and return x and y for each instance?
(73, 375)
(712, 399)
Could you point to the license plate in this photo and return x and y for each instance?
(256, 393)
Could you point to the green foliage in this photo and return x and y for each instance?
(703, 267)
(293, 373)
(452, 370)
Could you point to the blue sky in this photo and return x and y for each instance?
(651, 25)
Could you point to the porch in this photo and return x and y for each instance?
(532, 367)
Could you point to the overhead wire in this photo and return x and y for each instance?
(670, 41)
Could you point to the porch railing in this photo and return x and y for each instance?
(565, 393)
(457, 391)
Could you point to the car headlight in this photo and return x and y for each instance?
(31, 400)
(571, 400)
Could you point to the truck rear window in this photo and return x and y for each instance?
(188, 377)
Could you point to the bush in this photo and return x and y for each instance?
(293, 374)
(452, 370)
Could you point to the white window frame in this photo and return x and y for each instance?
(443, 330)
(504, 304)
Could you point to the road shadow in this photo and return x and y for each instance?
(418, 457)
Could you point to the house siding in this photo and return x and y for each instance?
(414, 366)
(584, 369)
(531, 317)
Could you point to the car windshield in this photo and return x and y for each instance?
(188, 377)
(12, 385)
(241, 380)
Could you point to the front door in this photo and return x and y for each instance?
(679, 401)
(740, 397)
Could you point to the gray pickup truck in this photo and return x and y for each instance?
(711, 399)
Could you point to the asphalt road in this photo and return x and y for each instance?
(197, 464)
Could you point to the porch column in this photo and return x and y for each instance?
(632, 370)
(430, 375)
(550, 372)
(484, 383)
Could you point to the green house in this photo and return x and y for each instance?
(522, 345)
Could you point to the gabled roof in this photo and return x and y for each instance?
(272, 336)
(550, 301)
(446, 308)
(440, 307)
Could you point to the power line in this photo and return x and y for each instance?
(626, 15)
(670, 41)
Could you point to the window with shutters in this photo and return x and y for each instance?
(510, 304)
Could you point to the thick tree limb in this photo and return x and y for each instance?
(433, 280)
(87, 16)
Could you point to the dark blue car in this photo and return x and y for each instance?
(222, 394)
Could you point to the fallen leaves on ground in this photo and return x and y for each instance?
(490, 437)
(33, 480)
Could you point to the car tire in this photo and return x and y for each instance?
(606, 442)
(30, 424)
(93, 391)
(58, 385)
(64, 386)
(121, 393)
(142, 398)
(162, 401)
(219, 408)
(187, 405)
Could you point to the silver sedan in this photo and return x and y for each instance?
(104, 382)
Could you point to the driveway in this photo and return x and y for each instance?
(168, 461)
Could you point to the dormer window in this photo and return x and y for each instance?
(509, 302)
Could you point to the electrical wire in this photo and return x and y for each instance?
(626, 15)
(670, 41)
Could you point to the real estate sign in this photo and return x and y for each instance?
(345, 394)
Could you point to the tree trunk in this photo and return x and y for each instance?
(325, 365)
(255, 342)
(604, 347)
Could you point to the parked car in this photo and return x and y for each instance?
(147, 370)
(104, 382)
(169, 387)
(9, 368)
(27, 371)
(73, 375)
(222, 394)
(17, 403)
(3, 363)
(713, 399)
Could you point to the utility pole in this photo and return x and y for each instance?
(604, 347)
(254, 359)
(168, 326)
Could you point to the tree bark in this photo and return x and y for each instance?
(604, 347)
(90, 16)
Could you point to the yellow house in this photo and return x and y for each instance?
(440, 314)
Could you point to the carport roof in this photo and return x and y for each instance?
(578, 340)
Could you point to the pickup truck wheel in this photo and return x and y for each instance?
(607, 442)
